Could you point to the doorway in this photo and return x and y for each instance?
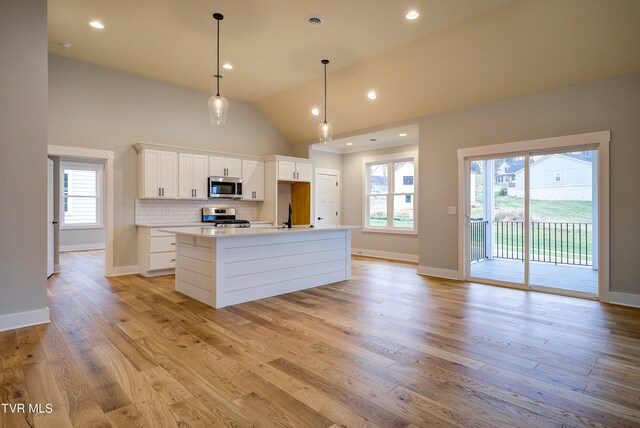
(105, 158)
(533, 217)
(327, 197)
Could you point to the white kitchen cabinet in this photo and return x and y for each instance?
(157, 174)
(252, 180)
(193, 172)
(294, 171)
(225, 167)
(156, 252)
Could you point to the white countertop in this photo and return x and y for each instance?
(213, 232)
(155, 225)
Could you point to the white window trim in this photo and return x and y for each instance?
(393, 157)
(99, 168)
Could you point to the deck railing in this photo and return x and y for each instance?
(551, 242)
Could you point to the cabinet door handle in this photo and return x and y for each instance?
(159, 191)
(195, 192)
(163, 191)
(294, 175)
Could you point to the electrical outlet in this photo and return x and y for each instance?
(452, 210)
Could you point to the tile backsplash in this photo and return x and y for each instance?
(158, 211)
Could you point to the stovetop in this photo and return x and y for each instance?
(223, 217)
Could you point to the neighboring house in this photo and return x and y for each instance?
(505, 171)
(558, 177)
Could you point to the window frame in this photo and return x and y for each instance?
(557, 177)
(99, 169)
(389, 159)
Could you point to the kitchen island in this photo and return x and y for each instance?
(222, 267)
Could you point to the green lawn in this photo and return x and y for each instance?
(553, 211)
(556, 211)
(544, 240)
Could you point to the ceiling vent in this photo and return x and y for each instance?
(315, 20)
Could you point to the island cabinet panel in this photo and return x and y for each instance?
(226, 270)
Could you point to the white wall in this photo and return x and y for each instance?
(96, 107)
(23, 164)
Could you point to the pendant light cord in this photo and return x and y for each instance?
(218, 68)
(325, 93)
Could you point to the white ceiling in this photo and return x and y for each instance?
(458, 53)
(372, 140)
(269, 43)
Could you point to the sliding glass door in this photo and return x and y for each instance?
(563, 205)
(531, 220)
(496, 221)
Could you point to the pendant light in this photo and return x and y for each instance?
(218, 105)
(325, 130)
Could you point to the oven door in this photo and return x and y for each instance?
(222, 187)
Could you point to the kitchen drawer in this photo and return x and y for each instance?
(156, 232)
(160, 244)
(162, 260)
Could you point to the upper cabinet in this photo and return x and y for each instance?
(193, 173)
(294, 171)
(252, 180)
(225, 167)
(157, 174)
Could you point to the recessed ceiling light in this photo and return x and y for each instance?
(315, 111)
(227, 66)
(66, 45)
(97, 24)
(372, 95)
(412, 14)
(348, 144)
(402, 135)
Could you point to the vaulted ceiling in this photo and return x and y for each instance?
(457, 53)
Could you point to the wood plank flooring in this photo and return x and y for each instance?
(388, 348)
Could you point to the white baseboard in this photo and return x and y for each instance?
(624, 299)
(82, 247)
(438, 272)
(122, 270)
(385, 255)
(24, 319)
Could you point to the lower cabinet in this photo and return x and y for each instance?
(156, 252)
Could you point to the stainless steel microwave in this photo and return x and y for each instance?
(225, 187)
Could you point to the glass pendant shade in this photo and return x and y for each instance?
(325, 131)
(218, 107)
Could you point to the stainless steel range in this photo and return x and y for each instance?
(223, 217)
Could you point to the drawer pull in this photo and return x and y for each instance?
(173, 260)
(173, 243)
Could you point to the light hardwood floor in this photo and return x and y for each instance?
(388, 348)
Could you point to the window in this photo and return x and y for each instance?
(558, 177)
(390, 194)
(80, 195)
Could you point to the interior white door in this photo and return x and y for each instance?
(327, 199)
(50, 219)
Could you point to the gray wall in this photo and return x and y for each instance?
(326, 160)
(608, 104)
(78, 239)
(96, 107)
(352, 205)
(23, 165)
